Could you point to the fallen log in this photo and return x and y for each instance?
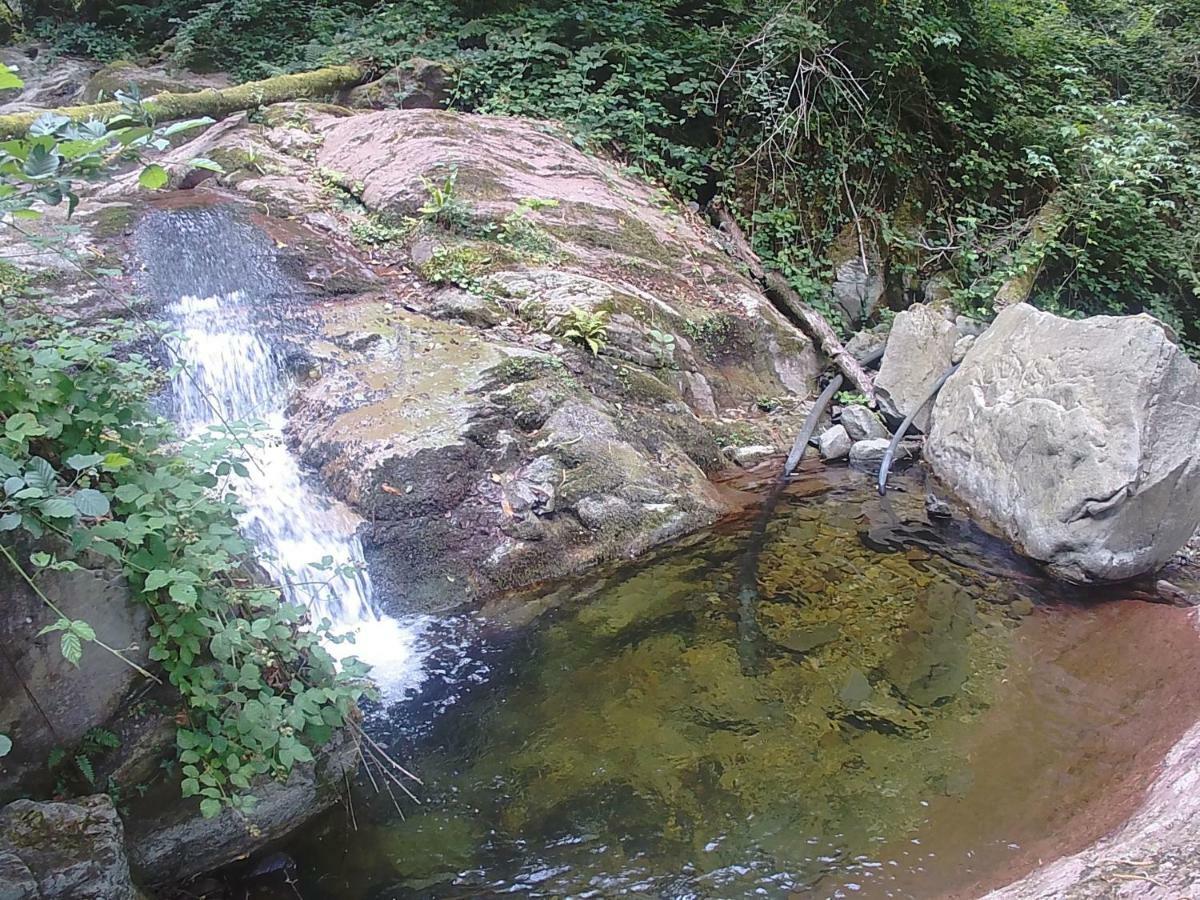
(215, 103)
(811, 321)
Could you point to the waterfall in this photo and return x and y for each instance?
(227, 370)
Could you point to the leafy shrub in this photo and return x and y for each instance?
(587, 328)
(84, 459)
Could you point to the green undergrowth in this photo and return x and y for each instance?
(91, 473)
(931, 129)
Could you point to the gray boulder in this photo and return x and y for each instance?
(834, 443)
(56, 702)
(869, 454)
(862, 424)
(1078, 440)
(919, 348)
(63, 851)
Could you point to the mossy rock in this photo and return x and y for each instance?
(122, 74)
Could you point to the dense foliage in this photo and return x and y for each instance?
(937, 127)
(89, 471)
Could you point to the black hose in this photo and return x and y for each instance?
(886, 465)
(810, 425)
(800, 446)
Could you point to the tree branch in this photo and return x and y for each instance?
(811, 322)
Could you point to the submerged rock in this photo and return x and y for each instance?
(63, 851)
(930, 663)
(1078, 440)
(919, 348)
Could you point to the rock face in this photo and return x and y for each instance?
(1078, 440)
(416, 84)
(50, 79)
(169, 841)
(919, 349)
(484, 449)
(63, 851)
(67, 700)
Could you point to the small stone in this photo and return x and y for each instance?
(868, 453)
(961, 347)
(1172, 593)
(937, 507)
(834, 443)
(752, 455)
(1020, 607)
(862, 424)
(856, 690)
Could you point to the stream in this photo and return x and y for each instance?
(915, 712)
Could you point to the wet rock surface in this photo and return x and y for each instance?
(1078, 440)
(427, 396)
(168, 841)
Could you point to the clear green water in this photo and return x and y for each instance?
(660, 733)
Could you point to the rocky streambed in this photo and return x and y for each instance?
(909, 671)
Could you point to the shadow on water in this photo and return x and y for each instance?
(912, 712)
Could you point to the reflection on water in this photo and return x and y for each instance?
(619, 746)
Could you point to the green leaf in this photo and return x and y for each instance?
(41, 560)
(71, 646)
(81, 461)
(127, 493)
(153, 177)
(9, 80)
(183, 593)
(10, 521)
(5, 740)
(210, 808)
(115, 462)
(39, 474)
(20, 426)
(209, 165)
(57, 508)
(90, 503)
(83, 630)
(158, 578)
(60, 625)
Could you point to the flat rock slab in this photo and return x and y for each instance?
(1078, 440)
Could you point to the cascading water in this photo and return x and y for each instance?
(230, 373)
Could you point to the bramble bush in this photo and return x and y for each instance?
(88, 468)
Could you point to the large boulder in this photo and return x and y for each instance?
(919, 348)
(47, 702)
(63, 851)
(1078, 440)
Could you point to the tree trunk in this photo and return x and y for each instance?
(168, 106)
(1045, 226)
(811, 321)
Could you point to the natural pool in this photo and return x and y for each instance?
(901, 708)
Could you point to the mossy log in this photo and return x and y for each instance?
(215, 103)
(811, 321)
